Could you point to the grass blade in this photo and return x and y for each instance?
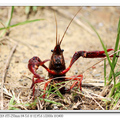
(114, 61)
(104, 72)
(58, 92)
(8, 22)
(21, 23)
(53, 102)
(50, 101)
(12, 102)
(112, 64)
(117, 85)
(27, 9)
(34, 8)
(108, 58)
(117, 74)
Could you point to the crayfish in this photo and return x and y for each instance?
(57, 69)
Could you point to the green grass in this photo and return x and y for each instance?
(115, 91)
(55, 88)
(27, 9)
(8, 22)
(7, 26)
(105, 83)
(114, 61)
(13, 103)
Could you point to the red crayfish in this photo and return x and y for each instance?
(57, 69)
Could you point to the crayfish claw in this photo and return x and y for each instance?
(35, 62)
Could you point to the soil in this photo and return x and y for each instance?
(38, 39)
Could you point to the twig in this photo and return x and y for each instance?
(4, 73)
(8, 23)
(97, 96)
(1, 39)
(7, 38)
(21, 106)
(89, 96)
(95, 101)
(10, 95)
(92, 85)
(40, 107)
(29, 46)
(7, 63)
(76, 20)
(117, 105)
(17, 41)
(22, 43)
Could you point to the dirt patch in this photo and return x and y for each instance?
(38, 38)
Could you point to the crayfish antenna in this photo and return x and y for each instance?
(69, 25)
(59, 40)
(56, 29)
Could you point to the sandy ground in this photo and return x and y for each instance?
(38, 38)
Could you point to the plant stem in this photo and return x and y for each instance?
(114, 61)
(104, 72)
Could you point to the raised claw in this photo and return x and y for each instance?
(34, 63)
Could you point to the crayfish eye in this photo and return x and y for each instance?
(52, 50)
(34, 58)
(62, 50)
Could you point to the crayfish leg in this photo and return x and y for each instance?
(33, 84)
(79, 79)
(46, 84)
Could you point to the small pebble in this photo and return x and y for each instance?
(110, 29)
(55, 107)
(100, 24)
(101, 81)
(76, 72)
(23, 72)
(25, 84)
(5, 55)
(25, 60)
(8, 75)
(20, 80)
(36, 46)
(90, 72)
(17, 60)
(97, 75)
